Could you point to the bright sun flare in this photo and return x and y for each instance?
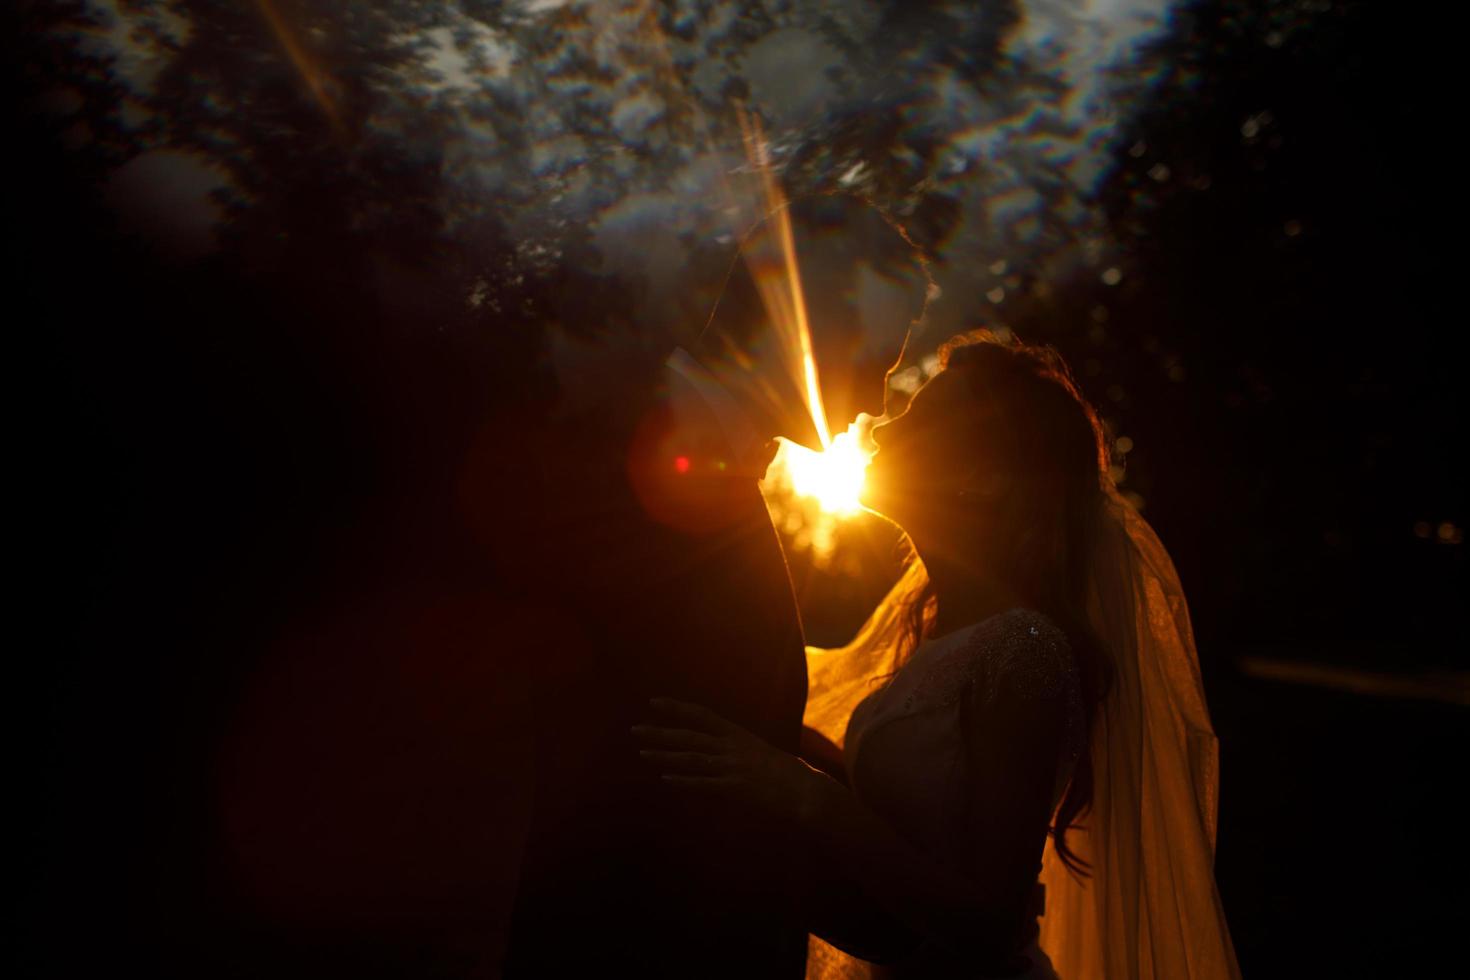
(834, 477)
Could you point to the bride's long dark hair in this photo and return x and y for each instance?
(1051, 442)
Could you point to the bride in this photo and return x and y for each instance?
(1026, 779)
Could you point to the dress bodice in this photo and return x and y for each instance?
(906, 747)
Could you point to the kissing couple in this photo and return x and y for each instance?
(1009, 772)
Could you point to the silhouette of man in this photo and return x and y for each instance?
(641, 519)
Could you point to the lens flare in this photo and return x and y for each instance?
(778, 276)
(833, 475)
(311, 73)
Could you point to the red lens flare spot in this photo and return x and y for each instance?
(681, 463)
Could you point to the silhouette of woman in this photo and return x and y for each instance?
(1039, 668)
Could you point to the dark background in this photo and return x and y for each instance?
(217, 449)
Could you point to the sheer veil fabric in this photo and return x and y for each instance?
(1150, 909)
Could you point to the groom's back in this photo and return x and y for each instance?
(690, 601)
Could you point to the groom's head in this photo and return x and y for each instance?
(845, 271)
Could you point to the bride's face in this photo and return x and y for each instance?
(923, 461)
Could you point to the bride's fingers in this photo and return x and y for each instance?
(678, 738)
(695, 716)
(686, 763)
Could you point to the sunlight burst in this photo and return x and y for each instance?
(834, 477)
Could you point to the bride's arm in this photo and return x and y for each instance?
(975, 906)
(878, 896)
(904, 896)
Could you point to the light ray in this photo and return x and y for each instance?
(780, 288)
(302, 61)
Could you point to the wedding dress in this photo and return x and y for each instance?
(904, 750)
(1150, 909)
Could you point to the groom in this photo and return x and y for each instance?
(654, 541)
(645, 526)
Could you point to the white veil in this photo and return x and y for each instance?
(1150, 909)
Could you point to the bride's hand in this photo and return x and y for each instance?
(697, 748)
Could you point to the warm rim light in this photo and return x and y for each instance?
(833, 477)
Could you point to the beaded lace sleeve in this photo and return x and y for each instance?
(1030, 655)
(1021, 652)
(1029, 659)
